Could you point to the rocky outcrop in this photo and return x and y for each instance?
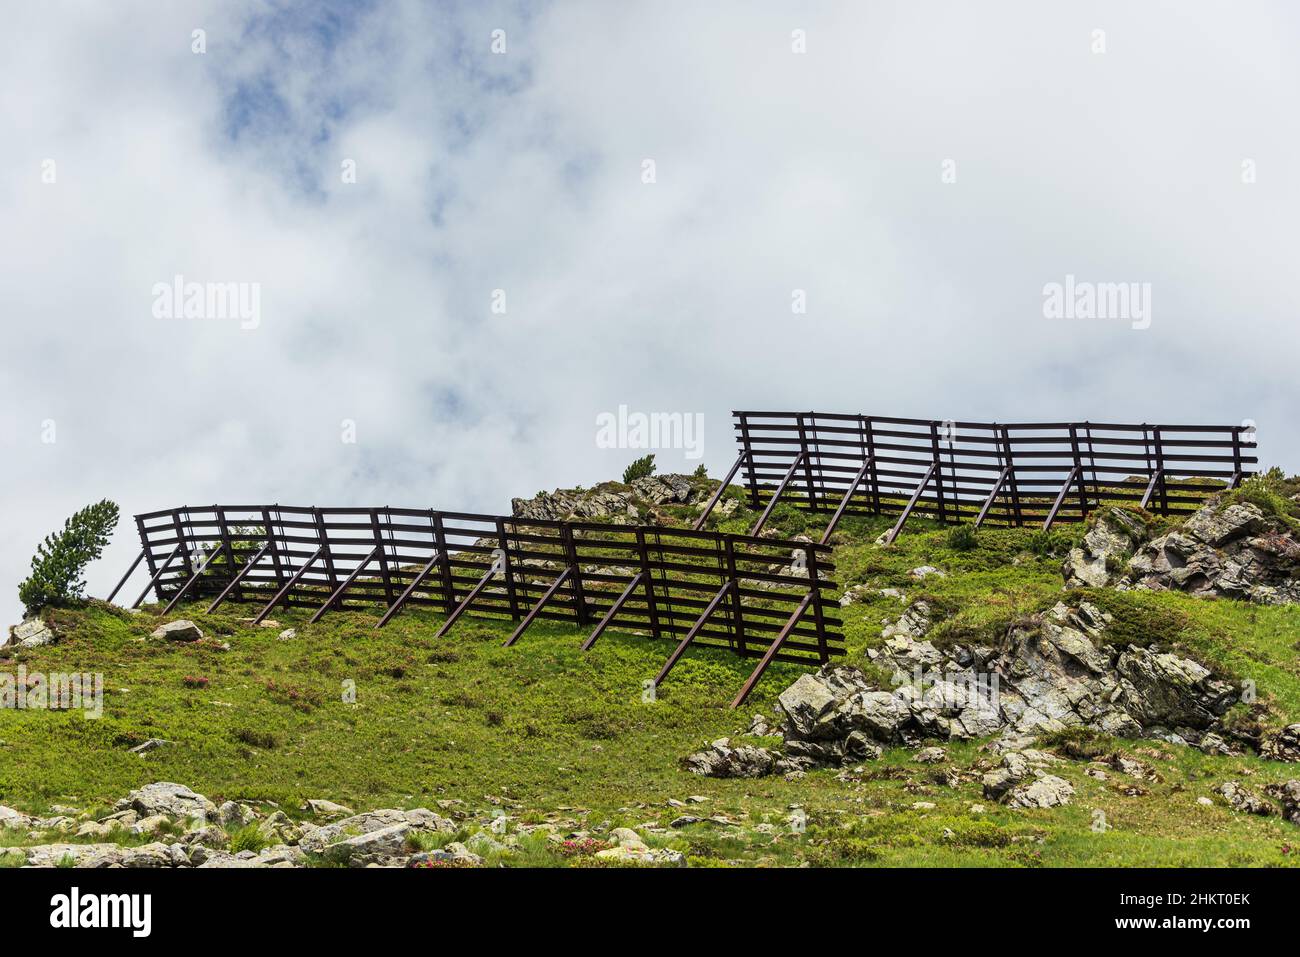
(31, 633)
(1245, 801)
(720, 760)
(612, 501)
(1049, 673)
(1232, 552)
(1113, 536)
(1229, 551)
(190, 832)
(1283, 745)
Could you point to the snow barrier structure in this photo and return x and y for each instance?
(1017, 473)
(762, 598)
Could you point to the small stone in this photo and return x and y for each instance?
(150, 745)
(327, 809)
(930, 756)
(181, 630)
(289, 634)
(924, 571)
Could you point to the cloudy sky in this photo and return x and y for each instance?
(920, 171)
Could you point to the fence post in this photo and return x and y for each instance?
(938, 471)
(579, 598)
(322, 536)
(814, 581)
(274, 549)
(444, 561)
(737, 611)
(1078, 465)
(652, 612)
(1160, 466)
(507, 569)
(383, 551)
(229, 546)
(183, 540)
(146, 546)
(750, 464)
(871, 452)
(1011, 476)
(807, 465)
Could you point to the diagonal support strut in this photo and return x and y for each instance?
(771, 503)
(288, 585)
(338, 592)
(532, 612)
(248, 567)
(695, 628)
(770, 654)
(409, 590)
(911, 504)
(195, 577)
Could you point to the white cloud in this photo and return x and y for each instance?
(776, 171)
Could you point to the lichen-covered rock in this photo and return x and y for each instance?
(915, 622)
(181, 630)
(720, 760)
(1112, 537)
(1044, 791)
(31, 633)
(1241, 799)
(104, 855)
(1288, 795)
(173, 801)
(1232, 551)
(1048, 673)
(318, 840)
(612, 501)
(1283, 745)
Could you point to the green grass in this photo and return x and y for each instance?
(553, 731)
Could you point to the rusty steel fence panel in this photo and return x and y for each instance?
(757, 597)
(1014, 473)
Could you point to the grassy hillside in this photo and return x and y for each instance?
(550, 730)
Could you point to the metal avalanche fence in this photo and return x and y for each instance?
(762, 598)
(756, 596)
(1017, 473)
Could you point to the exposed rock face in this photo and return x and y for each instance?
(1046, 790)
(1231, 551)
(173, 801)
(609, 502)
(1110, 542)
(380, 838)
(105, 855)
(1047, 674)
(720, 760)
(31, 633)
(1283, 745)
(1240, 799)
(1288, 795)
(563, 504)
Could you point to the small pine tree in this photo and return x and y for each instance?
(962, 538)
(701, 472)
(639, 469)
(61, 560)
